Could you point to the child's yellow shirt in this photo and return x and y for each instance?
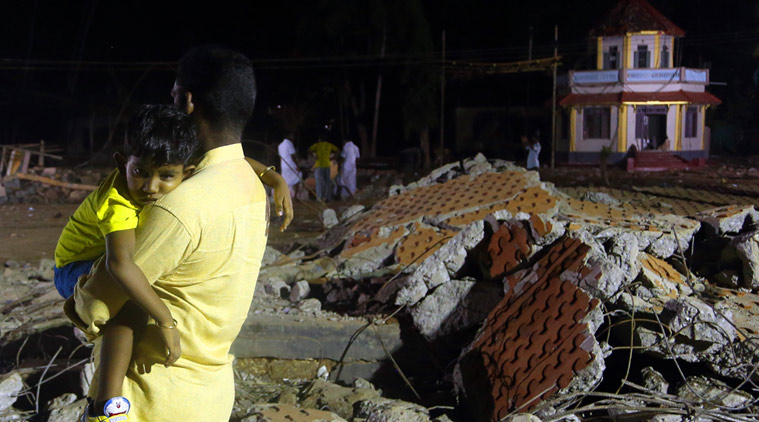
(106, 210)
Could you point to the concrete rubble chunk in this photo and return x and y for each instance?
(523, 417)
(311, 305)
(605, 281)
(662, 278)
(318, 268)
(747, 248)
(299, 291)
(276, 287)
(329, 218)
(728, 219)
(85, 377)
(454, 306)
(387, 410)
(654, 380)
(454, 252)
(431, 273)
(65, 408)
(656, 344)
(338, 399)
(287, 412)
(351, 211)
(713, 393)
(692, 318)
(271, 256)
(10, 387)
(623, 251)
(600, 198)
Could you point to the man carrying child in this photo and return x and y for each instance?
(200, 249)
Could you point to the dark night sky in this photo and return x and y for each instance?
(130, 47)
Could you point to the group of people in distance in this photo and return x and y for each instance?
(158, 265)
(331, 182)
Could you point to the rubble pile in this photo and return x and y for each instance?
(479, 292)
(46, 369)
(564, 298)
(55, 185)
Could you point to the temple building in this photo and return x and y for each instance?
(635, 97)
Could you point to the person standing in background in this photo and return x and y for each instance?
(347, 178)
(323, 151)
(533, 150)
(287, 164)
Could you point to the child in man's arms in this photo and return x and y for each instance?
(160, 150)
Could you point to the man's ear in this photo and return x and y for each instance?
(190, 104)
(188, 170)
(121, 162)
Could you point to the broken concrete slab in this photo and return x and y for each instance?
(746, 247)
(728, 219)
(10, 387)
(713, 393)
(288, 413)
(663, 279)
(428, 275)
(698, 321)
(536, 341)
(339, 399)
(65, 408)
(509, 247)
(386, 410)
(454, 306)
(315, 337)
(351, 211)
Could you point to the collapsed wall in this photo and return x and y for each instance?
(554, 282)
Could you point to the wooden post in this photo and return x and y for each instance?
(41, 157)
(553, 102)
(2, 160)
(11, 163)
(442, 100)
(25, 161)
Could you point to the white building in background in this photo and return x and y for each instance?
(635, 97)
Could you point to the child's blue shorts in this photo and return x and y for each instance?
(66, 277)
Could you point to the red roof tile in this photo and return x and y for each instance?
(639, 97)
(635, 16)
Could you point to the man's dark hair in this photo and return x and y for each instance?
(162, 135)
(222, 84)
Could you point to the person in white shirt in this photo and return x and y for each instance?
(288, 167)
(533, 150)
(347, 179)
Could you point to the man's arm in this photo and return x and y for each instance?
(119, 260)
(282, 200)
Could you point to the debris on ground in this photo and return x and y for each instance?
(478, 292)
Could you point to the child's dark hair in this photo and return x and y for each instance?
(163, 135)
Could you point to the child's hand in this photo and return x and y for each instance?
(170, 338)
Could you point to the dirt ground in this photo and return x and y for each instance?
(29, 232)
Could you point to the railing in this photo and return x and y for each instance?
(676, 75)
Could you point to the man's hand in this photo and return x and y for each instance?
(170, 338)
(283, 203)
